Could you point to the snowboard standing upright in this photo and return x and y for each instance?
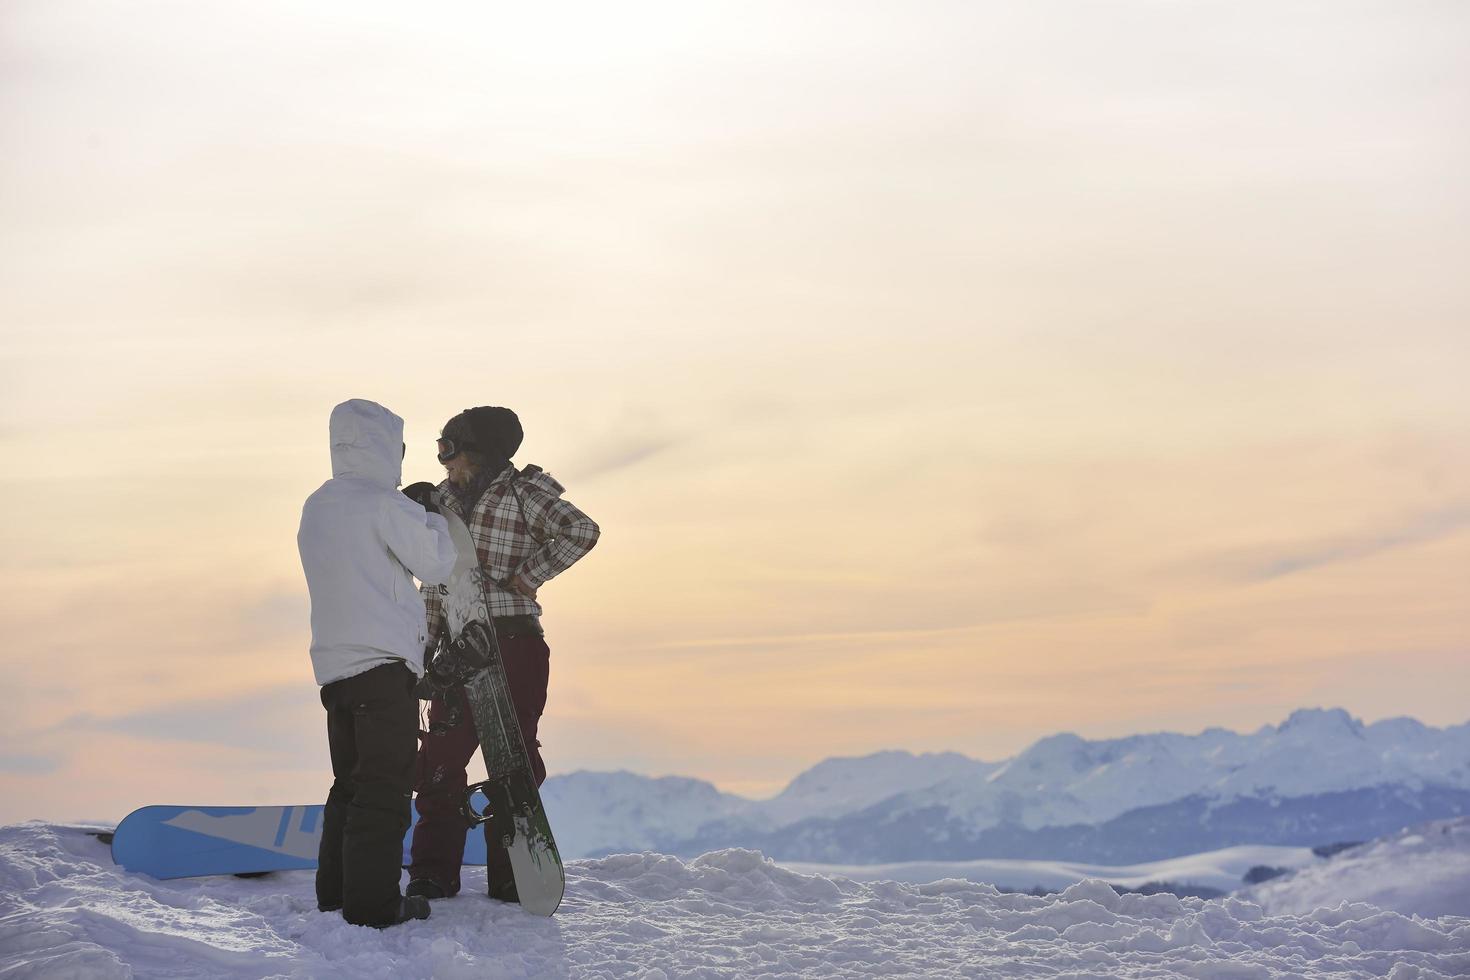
(513, 807)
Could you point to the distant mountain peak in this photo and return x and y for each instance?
(1327, 721)
(1065, 749)
(1402, 725)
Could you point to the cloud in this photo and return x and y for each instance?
(276, 616)
(1421, 529)
(621, 455)
(274, 721)
(29, 765)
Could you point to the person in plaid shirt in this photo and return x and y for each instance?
(525, 534)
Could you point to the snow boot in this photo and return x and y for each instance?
(426, 888)
(505, 891)
(410, 908)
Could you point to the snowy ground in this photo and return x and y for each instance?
(67, 911)
(1221, 870)
(1422, 870)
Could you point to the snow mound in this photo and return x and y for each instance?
(1422, 870)
(1220, 870)
(66, 910)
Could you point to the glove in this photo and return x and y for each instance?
(422, 494)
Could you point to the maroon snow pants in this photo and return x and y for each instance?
(439, 775)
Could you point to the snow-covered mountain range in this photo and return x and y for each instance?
(1320, 776)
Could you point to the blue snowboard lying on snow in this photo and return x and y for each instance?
(190, 841)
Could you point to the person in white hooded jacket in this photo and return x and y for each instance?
(362, 543)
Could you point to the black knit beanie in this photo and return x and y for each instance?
(493, 432)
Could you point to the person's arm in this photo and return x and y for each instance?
(565, 533)
(433, 613)
(418, 539)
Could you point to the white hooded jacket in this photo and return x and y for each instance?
(360, 542)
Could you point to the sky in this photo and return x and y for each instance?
(943, 375)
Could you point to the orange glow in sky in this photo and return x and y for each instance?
(942, 375)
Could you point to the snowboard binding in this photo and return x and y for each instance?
(477, 815)
(452, 666)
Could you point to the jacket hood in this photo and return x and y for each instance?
(541, 479)
(367, 442)
(530, 474)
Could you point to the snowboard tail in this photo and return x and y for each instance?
(526, 836)
(513, 804)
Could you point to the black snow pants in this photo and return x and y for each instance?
(372, 732)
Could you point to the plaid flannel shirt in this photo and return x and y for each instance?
(536, 538)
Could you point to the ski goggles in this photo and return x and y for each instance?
(449, 448)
